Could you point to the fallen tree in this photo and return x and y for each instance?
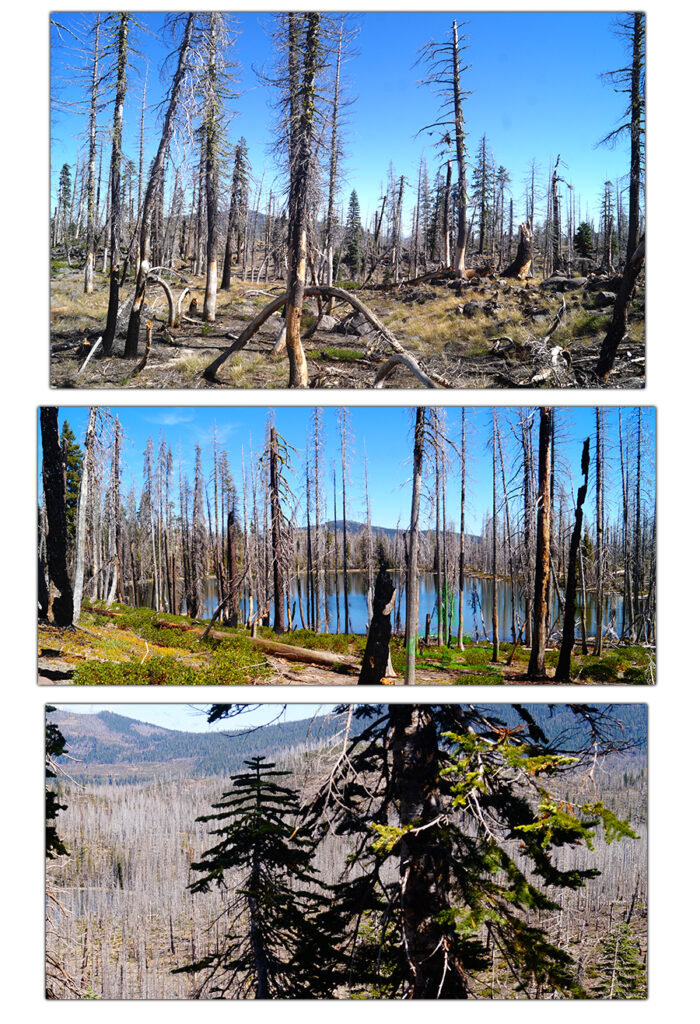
(316, 291)
(289, 652)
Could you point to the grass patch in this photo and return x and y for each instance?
(342, 355)
(586, 326)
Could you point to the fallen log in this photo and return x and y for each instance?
(316, 291)
(90, 354)
(328, 659)
(400, 359)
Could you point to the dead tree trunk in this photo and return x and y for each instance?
(60, 603)
(149, 202)
(536, 666)
(412, 571)
(520, 267)
(115, 187)
(276, 516)
(376, 657)
(569, 631)
(618, 324)
(300, 178)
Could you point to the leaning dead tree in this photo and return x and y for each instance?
(149, 203)
(618, 325)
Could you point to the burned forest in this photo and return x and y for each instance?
(431, 851)
(220, 217)
(249, 546)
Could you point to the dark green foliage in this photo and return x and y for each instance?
(434, 891)
(583, 240)
(55, 746)
(73, 471)
(263, 853)
(353, 237)
(620, 972)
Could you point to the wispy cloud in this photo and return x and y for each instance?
(169, 419)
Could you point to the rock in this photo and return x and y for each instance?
(563, 284)
(327, 323)
(353, 323)
(604, 283)
(604, 298)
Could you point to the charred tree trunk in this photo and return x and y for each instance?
(60, 603)
(569, 631)
(376, 656)
(618, 324)
(520, 267)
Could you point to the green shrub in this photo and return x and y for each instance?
(599, 673)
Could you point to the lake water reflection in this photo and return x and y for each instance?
(478, 596)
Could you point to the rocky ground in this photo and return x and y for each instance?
(492, 333)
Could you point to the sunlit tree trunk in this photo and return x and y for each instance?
(536, 666)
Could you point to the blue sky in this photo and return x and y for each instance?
(534, 82)
(192, 717)
(385, 433)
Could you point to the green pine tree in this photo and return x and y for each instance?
(73, 470)
(55, 746)
(353, 237)
(434, 893)
(276, 931)
(619, 972)
(583, 240)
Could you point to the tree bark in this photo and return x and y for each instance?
(60, 605)
(520, 266)
(412, 571)
(563, 671)
(536, 666)
(376, 656)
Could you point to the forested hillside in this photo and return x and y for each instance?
(109, 745)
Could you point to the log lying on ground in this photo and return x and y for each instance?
(317, 291)
(398, 359)
(90, 354)
(327, 659)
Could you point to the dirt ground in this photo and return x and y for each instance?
(480, 336)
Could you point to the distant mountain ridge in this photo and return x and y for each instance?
(106, 739)
(108, 744)
(354, 527)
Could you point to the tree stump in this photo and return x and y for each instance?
(376, 657)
